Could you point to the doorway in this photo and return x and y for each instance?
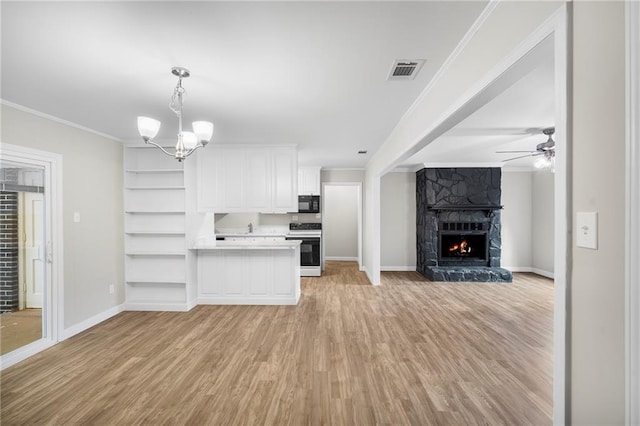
(31, 237)
(342, 222)
(22, 265)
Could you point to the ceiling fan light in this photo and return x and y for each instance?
(542, 163)
(203, 130)
(148, 128)
(189, 140)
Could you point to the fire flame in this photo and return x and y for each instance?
(462, 248)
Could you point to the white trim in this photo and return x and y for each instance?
(398, 268)
(558, 26)
(20, 354)
(223, 300)
(632, 215)
(464, 164)
(342, 258)
(342, 169)
(530, 269)
(169, 307)
(544, 273)
(91, 322)
(58, 120)
(53, 307)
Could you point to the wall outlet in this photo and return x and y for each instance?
(294, 217)
(112, 289)
(76, 217)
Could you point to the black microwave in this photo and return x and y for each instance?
(308, 204)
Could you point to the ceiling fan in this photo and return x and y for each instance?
(546, 151)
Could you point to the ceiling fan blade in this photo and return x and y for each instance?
(513, 152)
(523, 156)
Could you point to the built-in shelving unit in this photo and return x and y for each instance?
(155, 231)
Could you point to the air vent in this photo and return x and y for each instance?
(405, 69)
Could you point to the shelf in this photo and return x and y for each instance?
(154, 187)
(156, 253)
(153, 171)
(155, 232)
(152, 212)
(169, 282)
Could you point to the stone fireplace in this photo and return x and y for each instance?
(458, 224)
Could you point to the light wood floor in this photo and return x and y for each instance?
(19, 328)
(406, 352)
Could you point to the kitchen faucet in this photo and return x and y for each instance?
(251, 228)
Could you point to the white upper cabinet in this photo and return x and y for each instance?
(309, 181)
(247, 179)
(285, 188)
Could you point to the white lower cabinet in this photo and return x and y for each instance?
(249, 276)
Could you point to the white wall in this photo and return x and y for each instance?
(340, 222)
(333, 175)
(517, 221)
(598, 281)
(398, 221)
(542, 222)
(92, 186)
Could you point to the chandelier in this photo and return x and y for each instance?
(187, 142)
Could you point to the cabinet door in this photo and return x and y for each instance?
(257, 182)
(210, 172)
(233, 164)
(285, 182)
(309, 181)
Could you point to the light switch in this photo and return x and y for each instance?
(76, 217)
(587, 230)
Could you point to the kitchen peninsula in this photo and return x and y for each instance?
(248, 272)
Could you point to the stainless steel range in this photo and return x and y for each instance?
(310, 250)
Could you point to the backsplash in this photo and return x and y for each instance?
(260, 220)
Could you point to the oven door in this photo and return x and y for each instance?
(309, 250)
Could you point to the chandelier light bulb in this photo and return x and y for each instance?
(148, 128)
(189, 140)
(203, 131)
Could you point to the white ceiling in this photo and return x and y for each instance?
(307, 73)
(512, 121)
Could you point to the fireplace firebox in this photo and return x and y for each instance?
(463, 244)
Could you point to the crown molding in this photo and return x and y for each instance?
(58, 120)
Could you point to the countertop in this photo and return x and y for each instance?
(245, 245)
(252, 234)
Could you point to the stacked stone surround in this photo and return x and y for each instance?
(8, 251)
(458, 188)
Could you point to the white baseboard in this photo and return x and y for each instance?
(346, 258)
(169, 307)
(20, 354)
(212, 300)
(363, 268)
(90, 322)
(543, 273)
(398, 268)
(537, 271)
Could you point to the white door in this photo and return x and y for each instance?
(33, 248)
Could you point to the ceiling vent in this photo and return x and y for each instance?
(405, 69)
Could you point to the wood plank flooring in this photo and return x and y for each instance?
(19, 328)
(406, 352)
